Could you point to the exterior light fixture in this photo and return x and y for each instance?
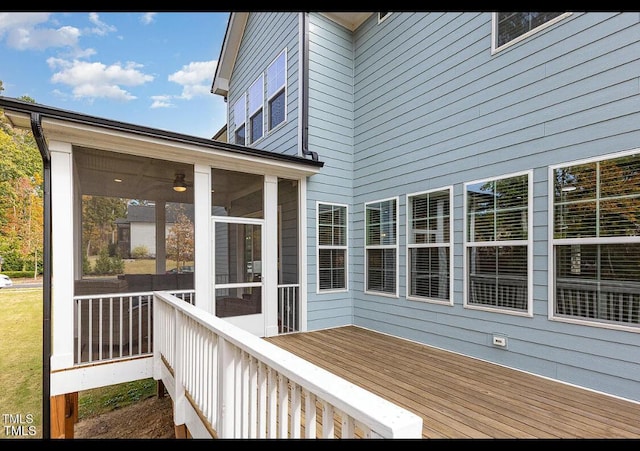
(179, 184)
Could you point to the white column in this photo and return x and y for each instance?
(302, 249)
(270, 256)
(204, 274)
(62, 242)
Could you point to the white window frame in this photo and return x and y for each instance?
(553, 242)
(529, 243)
(276, 92)
(429, 245)
(382, 18)
(251, 112)
(395, 247)
(241, 100)
(332, 247)
(522, 37)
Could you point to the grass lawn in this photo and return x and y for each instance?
(21, 370)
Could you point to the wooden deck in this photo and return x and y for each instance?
(461, 397)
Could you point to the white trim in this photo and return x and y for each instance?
(553, 242)
(203, 264)
(528, 242)
(345, 248)
(300, 76)
(382, 19)
(494, 25)
(395, 246)
(448, 188)
(304, 267)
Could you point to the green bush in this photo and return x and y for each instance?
(140, 252)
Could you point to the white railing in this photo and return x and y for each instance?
(605, 300)
(228, 383)
(503, 291)
(288, 308)
(115, 325)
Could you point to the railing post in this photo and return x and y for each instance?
(180, 400)
(226, 390)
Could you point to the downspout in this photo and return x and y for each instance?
(304, 68)
(38, 134)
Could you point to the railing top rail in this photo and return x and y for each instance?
(384, 417)
(127, 294)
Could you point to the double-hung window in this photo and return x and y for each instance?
(429, 245)
(332, 247)
(511, 27)
(596, 240)
(256, 99)
(276, 91)
(381, 244)
(497, 243)
(239, 118)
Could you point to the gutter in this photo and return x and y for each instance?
(304, 68)
(38, 134)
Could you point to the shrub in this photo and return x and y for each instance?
(140, 252)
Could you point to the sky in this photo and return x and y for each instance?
(144, 68)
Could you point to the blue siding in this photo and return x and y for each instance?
(331, 136)
(419, 102)
(266, 35)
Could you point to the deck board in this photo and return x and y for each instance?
(462, 397)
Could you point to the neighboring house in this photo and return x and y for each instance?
(138, 229)
(470, 181)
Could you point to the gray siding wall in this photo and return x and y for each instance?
(432, 107)
(266, 35)
(331, 136)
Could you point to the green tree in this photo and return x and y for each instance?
(98, 221)
(180, 242)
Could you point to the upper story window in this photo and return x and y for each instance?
(381, 244)
(383, 15)
(429, 245)
(239, 117)
(596, 240)
(497, 243)
(511, 27)
(276, 91)
(256, 100)
(332, 247)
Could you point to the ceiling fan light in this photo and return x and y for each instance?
(179, 184)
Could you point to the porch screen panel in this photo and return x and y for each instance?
(597, 240)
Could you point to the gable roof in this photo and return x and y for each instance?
(233, 37)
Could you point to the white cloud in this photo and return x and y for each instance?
(195, 78)
(101, 28)
(147, 18)
(97, 80)
(161, 102)
(21, 32)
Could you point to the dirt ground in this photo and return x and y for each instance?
(151, 418)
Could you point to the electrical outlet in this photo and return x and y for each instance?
(500, 341)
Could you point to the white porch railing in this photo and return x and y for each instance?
(115, 325)
(228, 383)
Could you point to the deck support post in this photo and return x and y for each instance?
(64, 415)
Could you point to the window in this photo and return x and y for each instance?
(381, 245)
(383, 15)
(510, 27)
(596, 240)
(276, 90)
(429, 245)
(498, 228)
(239, 115)
(332, 247)
(256, 99)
